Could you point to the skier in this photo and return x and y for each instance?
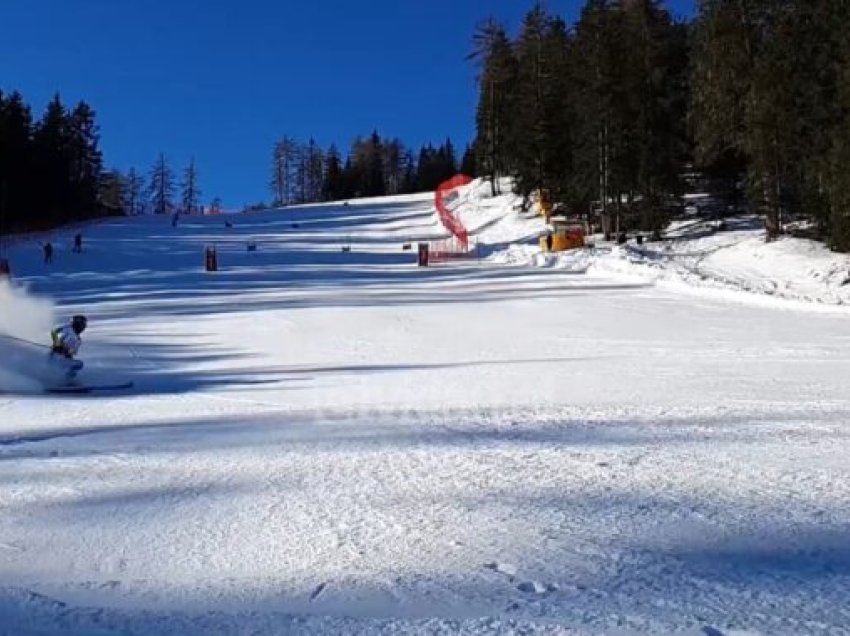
(66, 343)
(48, 253)
(78, 243)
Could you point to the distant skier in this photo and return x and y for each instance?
(48, 253)
(66, 343)
(78, 243)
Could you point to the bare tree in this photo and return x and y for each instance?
(284, 161)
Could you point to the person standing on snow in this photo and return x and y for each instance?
(66, 342)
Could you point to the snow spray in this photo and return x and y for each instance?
(25, 322)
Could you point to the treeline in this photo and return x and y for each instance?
(163, 192)
(304, 172)
(615, 113)
(159, 192)
(51, 170)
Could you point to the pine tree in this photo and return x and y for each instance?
(190, 191)
(86, 160)
(134, 186)
(375, 184)
(448, 160)
(557, 111)
(111, 195)
(427, 177)
(410, 168)
(493, 53)
(366, 170)
(468, 165)
(52, 164)
(819, 43)
(601, 109)
(161, 190)
(837, 184)
(543, 123)
(333, 187)
(351, 178)
(657, 82)
(51, 172)
(530, 121)
(743, 102)
(16, 160)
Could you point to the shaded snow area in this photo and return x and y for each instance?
(695, 256)
(329, 441)
(739, 259)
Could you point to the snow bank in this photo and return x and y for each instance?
(739, 260)
(695, 255)
(530, 255)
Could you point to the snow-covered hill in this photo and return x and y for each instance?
(695, 256)
(337, 441)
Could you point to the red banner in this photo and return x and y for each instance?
(442, 198)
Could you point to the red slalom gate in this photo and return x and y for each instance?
(442, 197)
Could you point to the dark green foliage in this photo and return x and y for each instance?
(595, 115)
(541, 132)
(17, 154)
(836, 183)
(111, 192)
(333, 188)
(496, 140)
(86, 160)
(600, 121)
(51, 171)
(435, 166)
(468, 164)
(374, 167)
(769, 88)
(611, 114)
(374, 183)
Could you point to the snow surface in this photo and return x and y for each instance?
(340, 442)
(696, 257)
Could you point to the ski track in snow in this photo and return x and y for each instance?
(329, 442)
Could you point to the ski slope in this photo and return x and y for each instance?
(323, 441)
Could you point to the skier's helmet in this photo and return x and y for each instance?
(78, 324)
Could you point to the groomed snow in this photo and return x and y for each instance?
(340, 442)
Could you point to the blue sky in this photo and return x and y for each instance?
(220, 80)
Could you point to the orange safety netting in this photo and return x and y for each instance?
(448, 219)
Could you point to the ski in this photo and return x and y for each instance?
(94, 388)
